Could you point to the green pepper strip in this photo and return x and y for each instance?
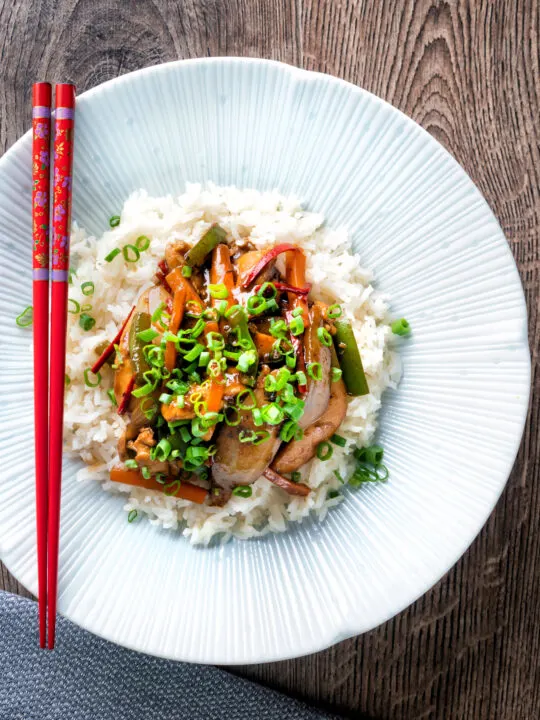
(206, 244)
(349, 359)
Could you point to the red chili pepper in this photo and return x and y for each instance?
(126, 397)
(105, 355)
(162, 265)
(263, 262)
(286, 288)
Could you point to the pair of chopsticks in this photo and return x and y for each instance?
(49, 379)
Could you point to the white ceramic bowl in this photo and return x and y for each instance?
(450, 433)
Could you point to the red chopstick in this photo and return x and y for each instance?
(63, 165)
(41, 146)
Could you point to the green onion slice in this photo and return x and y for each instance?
(73, 306)
(110, 257)
(114, 221)
(131, 253)
(401, 327)
(324, 451)
(87, 288)
(142, 243)
(243, 491)
(90, 383)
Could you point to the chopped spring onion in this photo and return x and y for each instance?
(247, 436)
(204, 359)
(372, 454)
(296, 312)
(148, 407)
(132, 515)
(110, 257)
(86, 307)
(235, 419)
(246, 360)
(87, 288)
(265, 289)
(219, 292)
(67, 380)
(296, 476)
(87, 322)
(272, 414)
(336, 374)
(334, 311)
(270, 383)
(171, 488)
(315, 370)
(186, 271)
(296, 326)
(87, 380)
(131, 464)
(25, 318)
(324, 337)
(142, 243)
(215, 341)
(301, 378)
(282, 346)
(333, 494)
(162, 449)
(294, 411)
(262, 436)
(289, 430)
(165, 398)
(278, 328)
(147, 335)
(400, 327)
(194, 353)
(257, 417)
(367, 473)
(131, 253)
(112, 396)
(339, 476)
(243, 491)
(144, 390)
(324, 451)
(145, 472)
(245, 394)
(338, 440)
(290, 360)
(114, 221)
(256, 304)
(73, 306)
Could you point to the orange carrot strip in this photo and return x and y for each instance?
(186, 491)
(177, 316)
(221, 272)
(263, 342)
(295, 274)
(177, 281)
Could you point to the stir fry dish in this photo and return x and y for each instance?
(226, 369)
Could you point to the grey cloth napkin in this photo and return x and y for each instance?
(87, 678)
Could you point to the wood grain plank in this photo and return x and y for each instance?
(469, 72)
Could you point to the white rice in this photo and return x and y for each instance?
(92, 426)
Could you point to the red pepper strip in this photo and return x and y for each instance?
(291, 487)
(263, 262)
(286, 288)
(126, 397)
(298, 346)
(162, 265)
(105, 355)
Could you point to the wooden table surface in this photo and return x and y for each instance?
(467, 71)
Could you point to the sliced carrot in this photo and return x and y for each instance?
(221, 272)
(177, 281)
(295, 274)
(178, 489)
(263, 342)
(177, 315)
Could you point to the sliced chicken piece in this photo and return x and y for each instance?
(298, 452)
(237, 463)
(175, 252)
(142, 446)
